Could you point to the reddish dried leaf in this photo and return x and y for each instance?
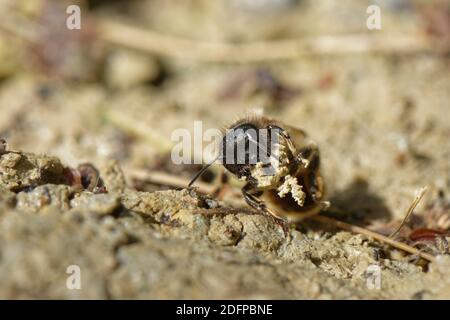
(425, 234)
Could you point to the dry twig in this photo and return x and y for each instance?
(419, 195)
(157, 43)
(149, 41)
(162, 178)
(352, 228)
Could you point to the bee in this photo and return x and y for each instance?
(279, 164)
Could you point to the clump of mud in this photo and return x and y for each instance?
(177, 244)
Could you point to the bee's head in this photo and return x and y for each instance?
(239, 149)
(255, 154)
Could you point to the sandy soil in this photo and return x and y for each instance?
(381, 122)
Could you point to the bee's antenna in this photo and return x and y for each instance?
(198, 174)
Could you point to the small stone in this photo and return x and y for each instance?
(113, 177)
(19, 170)
(103, 203)
(226, 231)
(44, 196)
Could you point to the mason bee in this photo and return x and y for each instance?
(279, 164)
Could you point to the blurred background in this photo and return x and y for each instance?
(376, 101)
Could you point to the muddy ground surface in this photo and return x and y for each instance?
(381, 122)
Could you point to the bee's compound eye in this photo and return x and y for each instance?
(246, 132)
(240, 145)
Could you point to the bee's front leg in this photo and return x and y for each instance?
(285, 135)
(259, 205)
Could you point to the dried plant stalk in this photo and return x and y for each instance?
(419, 195)
(162, 178)
(157, 43)
(352, 228)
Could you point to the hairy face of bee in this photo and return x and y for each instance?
(239, 149)
(254, 154)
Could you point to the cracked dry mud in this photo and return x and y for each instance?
(176, 244)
